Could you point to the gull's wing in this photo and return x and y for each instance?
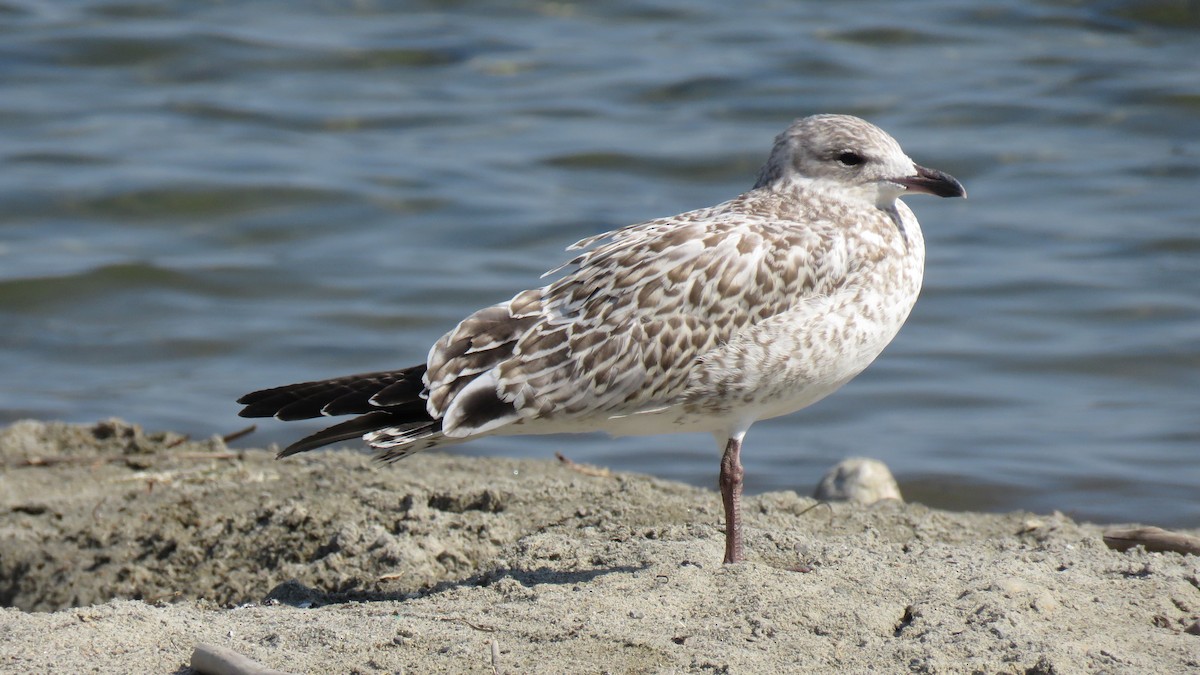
(623, 329)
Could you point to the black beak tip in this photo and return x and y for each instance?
(952, 188)
(934, 182)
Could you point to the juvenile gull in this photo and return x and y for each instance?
(705, 321)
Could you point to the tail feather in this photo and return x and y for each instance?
(389, 400)
(401, 391)
(349, 395)
(396, 443)
(345, 431)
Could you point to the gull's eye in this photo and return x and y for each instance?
(849, 158)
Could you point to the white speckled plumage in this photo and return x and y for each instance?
(704, 321)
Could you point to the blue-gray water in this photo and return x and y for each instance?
(198, 199)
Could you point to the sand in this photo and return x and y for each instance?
(120, 551)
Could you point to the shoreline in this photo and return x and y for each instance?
(329, 562)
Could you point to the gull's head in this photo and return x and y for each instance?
(850, 158)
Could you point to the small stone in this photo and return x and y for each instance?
(860, 480)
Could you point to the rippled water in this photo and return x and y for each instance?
(198, 199)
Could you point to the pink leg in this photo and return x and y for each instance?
(731, 496)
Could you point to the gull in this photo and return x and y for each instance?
(705, 321)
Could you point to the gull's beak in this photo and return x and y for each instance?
(932, 182)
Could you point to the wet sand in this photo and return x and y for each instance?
(120, 551)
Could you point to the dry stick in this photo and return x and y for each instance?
(224, 439)
(239, 433)
(214, 660)
(178, 442)
(1153, 539)
(583, 468)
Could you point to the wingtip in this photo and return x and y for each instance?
(310, 442)
(289, 451)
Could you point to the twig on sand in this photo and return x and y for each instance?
(1152, 539)
(827, 505)
(239, 433)
(495, 657)
(459, 619)
(585, 469)
(224, 439)
(214, 660)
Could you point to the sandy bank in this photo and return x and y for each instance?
(330, 563)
